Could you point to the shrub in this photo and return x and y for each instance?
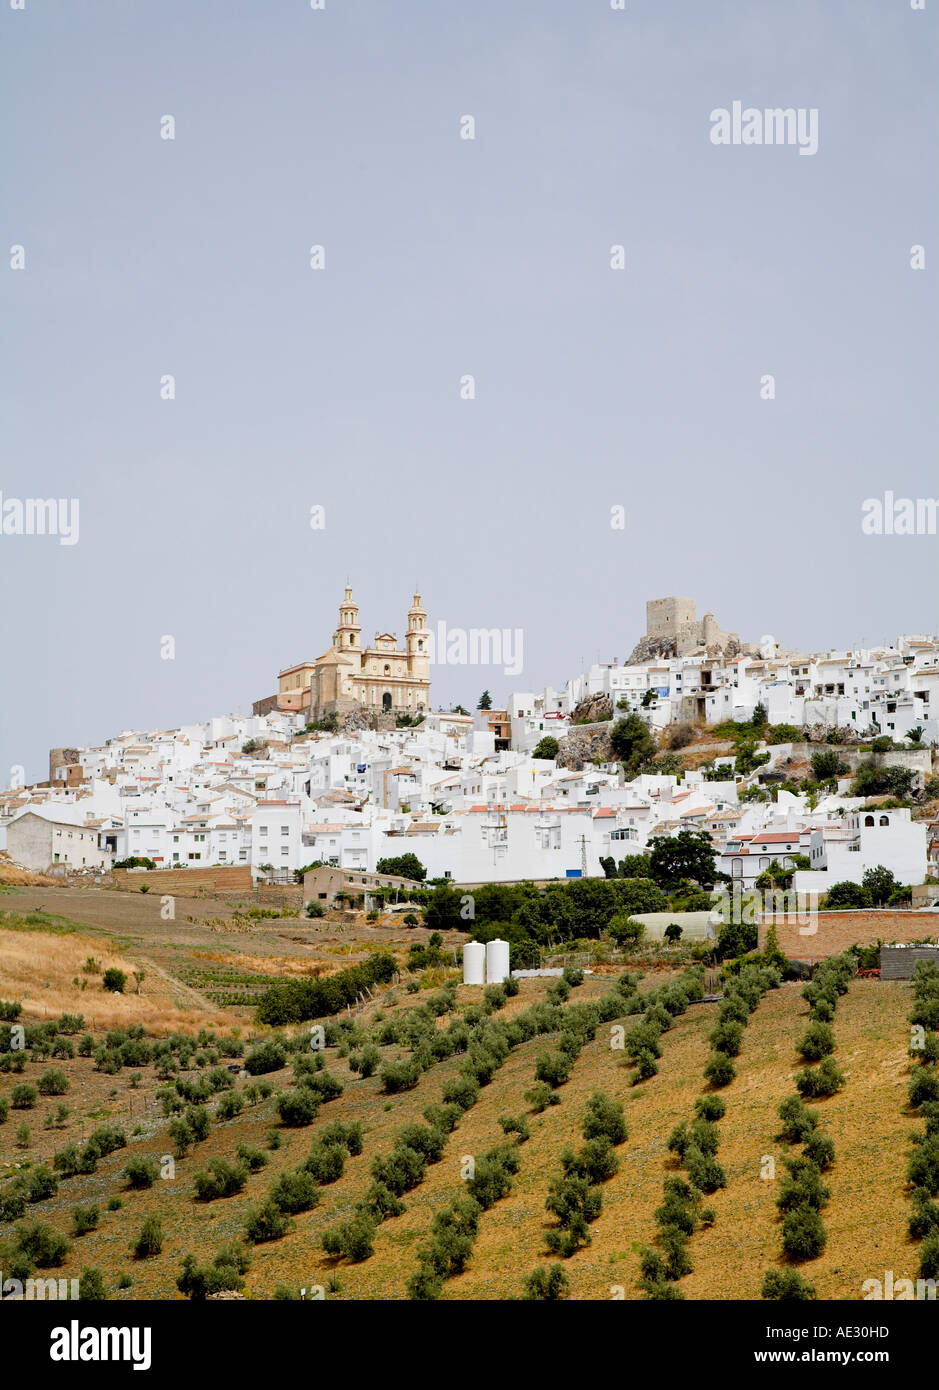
(225, 1271)
(298, 1108)
(253, 1159)
(91, 1288)
(929, 1257)
(820, 1149)
(923, 1164)
(149, 1238)
(704, 1170)
(803, 1234)
(366, 1062)
(181, 1135)
(53, 1083)
(40, 1184)
(726, 1037)
(114, 1204)
(823, 1080)
(219, 1179)
(141, 1171)
(720, 1070)
(265, 1222)
(381, 1202)
(294, 1001)
(45, 1247)
(547, 1284)
(84, 1219)
(347, 1136)
(295, 1192)
(604, 1117)
(798, 1121)
(231, 1104)
(452, 1232)
(817, 1041)
(575, 1203)
(675, 1245)
(924, 1085)
(462, 1091)
(493, 1177)
(710, 1108)
(197, 1118)
(643, 1037)
(114, 980)
(802, 1186)
(515, 1124)
(400, 1075)
(23, 1096)
(354, 1240)
(266, 1057)
(540, 1096)
(646, 1066)
(399, 1171)
(925, 1214)
(786, 1285)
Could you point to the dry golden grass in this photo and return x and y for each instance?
(12, 876)
(268, 965)
(40, 969)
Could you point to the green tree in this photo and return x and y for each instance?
(781, 875)
(689, 854)
(632, 743)
(828, 765)
(91, 1287)
(485, 701)
(403, 866)
(847, 895)
(547, 1283)
(879, 882)
(625, 930)
(546, 748)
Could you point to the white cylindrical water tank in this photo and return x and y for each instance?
(497, 961)
(474, 963)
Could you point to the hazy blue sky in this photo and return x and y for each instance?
(445, 257)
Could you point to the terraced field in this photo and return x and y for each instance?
(865, 1218)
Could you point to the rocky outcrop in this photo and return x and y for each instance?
(651, 649)
(594, 708)
(379, 721)
(821, 733)
(590, 743)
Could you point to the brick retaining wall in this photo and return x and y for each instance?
(236, 879)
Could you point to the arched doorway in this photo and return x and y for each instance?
(386, 700)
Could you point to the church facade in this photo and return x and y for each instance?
(348, 676)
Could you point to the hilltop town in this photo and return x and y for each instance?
(350, 915)
(769, 752)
